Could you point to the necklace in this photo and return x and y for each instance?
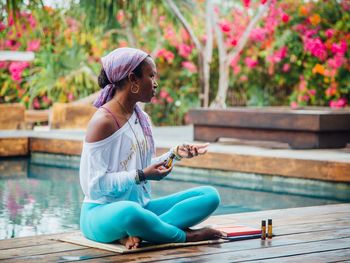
(137, 141)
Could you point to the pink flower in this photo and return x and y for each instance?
(263, 2)
(166, 54)
(258, 34)
(70, 96)
(16, 69)
(303, 98)
(341, 103)
(163, 94)
(233, 42)
(329, 33)
(294, 104)
(184, 50)
(302, 84)
(34, 45)
(189, 66)
(2, 26)
(184, 34)
(310, 33)
(339, 49)
(312, 92)
(225, 27)
(251, 63)
(286, 67)
(170, 36)
(316, 47)
(246, 3)
(154, 100)
(12, 44)
(243, 78)
(169, 99)
(332, 90)
(3, 64)
(336, 62)
(120, 16)
(279, 55)
(285, 18)
(32, 21)
(36, 103)
(236, 69)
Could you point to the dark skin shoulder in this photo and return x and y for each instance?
(101, 126)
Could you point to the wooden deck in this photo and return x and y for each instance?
(311, 234)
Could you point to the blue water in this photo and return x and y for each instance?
(42, 195)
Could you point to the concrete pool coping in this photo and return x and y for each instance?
(229, 155)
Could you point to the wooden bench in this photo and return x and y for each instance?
(11, 116)
(301, 129)
(71, 116)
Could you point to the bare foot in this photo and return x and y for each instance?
(205, 233)
(130, 242)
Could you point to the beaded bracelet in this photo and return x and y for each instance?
(176, 153)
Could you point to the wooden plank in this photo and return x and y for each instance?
(37, 250)
(71, 147)
(271, 252)
(337, 227)
(301, 130)
(207, 253)
(271, 118)
(340, 255)
(32, 116)
(20, 242)
(11, 116)
(90, 253)
(13, 147)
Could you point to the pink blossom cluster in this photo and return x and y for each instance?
(166, 55)
(184, 50)
(340, 103)
(278, 56)
(16, 70)
(163, 94)
(258, 34)
(250, 62)
(33, 45)
(316, 47)
(189, 66)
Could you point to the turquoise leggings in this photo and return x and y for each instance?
(162, 220)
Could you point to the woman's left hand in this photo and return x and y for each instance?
(192, 150)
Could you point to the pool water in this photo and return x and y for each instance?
(42, 195)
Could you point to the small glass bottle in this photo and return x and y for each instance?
(269, 228)
(169, 162)
(263, 229)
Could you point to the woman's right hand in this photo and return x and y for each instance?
(156, 171)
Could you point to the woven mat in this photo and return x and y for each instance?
(79, 239)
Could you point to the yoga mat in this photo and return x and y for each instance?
(79, 239)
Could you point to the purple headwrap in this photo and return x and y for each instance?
(118, 65)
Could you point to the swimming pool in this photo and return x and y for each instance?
(42, 195)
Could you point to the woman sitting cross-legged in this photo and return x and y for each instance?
(117, 165)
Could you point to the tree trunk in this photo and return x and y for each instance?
(225, 59)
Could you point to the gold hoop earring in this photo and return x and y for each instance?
(133, 90)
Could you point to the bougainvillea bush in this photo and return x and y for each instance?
(297, 54)
(65, 59)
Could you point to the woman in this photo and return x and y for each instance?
(116, 165)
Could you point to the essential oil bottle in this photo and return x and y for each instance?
(269, 228)
(263, 229)
(169, 162)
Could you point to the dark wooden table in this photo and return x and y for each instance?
(301, 129)
(309, 234)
